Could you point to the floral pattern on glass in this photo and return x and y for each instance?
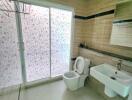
(35, 29)
(10, 68)
(60, 41)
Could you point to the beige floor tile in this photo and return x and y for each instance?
(9, 96)
(58, 91)
(54, 91)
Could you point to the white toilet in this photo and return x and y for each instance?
(75, 79)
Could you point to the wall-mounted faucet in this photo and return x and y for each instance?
(119, 64)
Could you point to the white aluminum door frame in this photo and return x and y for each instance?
(20, 35)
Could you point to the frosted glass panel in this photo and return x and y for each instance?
(10, 69)
(60, 41)
(35, 28)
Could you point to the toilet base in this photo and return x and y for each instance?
(82, 80)
(75, 84)
(71, 84)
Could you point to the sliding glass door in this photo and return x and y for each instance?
(45, 33)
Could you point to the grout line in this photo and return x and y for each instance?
(19, 94)
(110, 54)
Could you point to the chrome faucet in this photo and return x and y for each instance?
(119, 64)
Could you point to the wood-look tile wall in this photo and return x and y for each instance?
(97, 6)
(97, 35)
(97, 31)
(77, 39)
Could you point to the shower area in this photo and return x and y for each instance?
(35, 42)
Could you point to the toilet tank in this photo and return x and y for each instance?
(86, 66)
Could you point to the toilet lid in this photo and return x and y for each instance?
(79, 65)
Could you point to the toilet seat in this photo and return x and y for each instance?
(79, 65)
(75, 79)
(71, 75)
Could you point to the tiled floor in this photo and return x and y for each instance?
(53, 91)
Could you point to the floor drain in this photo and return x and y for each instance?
(113, 78)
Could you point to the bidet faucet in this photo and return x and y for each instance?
(119, 64)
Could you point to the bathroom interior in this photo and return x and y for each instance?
(65, 49)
